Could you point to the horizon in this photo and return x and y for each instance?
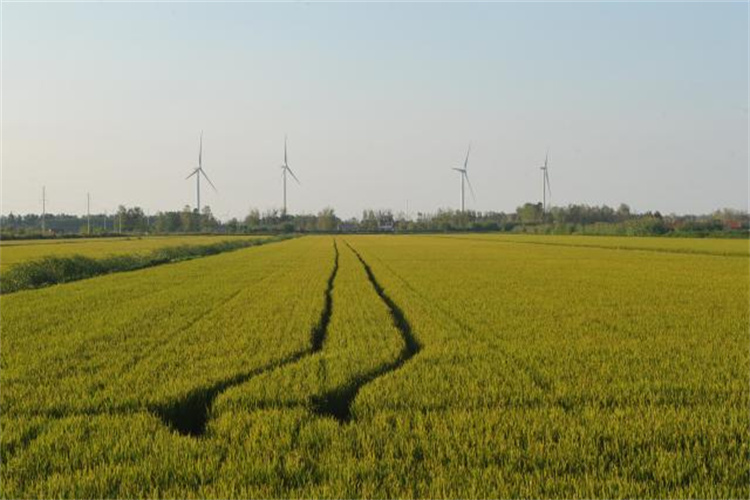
(642, 104)
(411, 215)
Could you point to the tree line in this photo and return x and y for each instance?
(528, 218)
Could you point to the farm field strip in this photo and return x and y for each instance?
(338, 403)
(190, 415)
(367, 338)
(15, 252)
(77, 372)
(639, 356)
(546, 384)
(122, 293)
(138, 346)
(23, 431)
(360, 338)
(700, 246)
(447, 338)
(502, 321)
(52, 270)
(73, 241)
(115, 239)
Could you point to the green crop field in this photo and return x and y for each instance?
(461, 366)
(16, 251)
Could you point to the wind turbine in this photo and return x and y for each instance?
(465, 178)
(546, 189)
(197, 173)
(285, 168)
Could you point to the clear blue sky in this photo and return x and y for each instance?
(640, 103)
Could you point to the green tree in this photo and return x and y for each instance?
(208, 222)
(187, 220)
(369, 221)
(530, 213)
(326, 220)
(233, 225)
(252, 221)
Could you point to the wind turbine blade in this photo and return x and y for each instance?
(466, 161)
(471, 189)
(459, 169)
(292, 174)
(285, 160)
(200, 152)
(194, 172)
(209, 180)
(546, 176)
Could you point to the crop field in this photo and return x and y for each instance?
(16, 251)
(707, 246)
(466, 366)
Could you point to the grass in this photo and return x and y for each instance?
(380, 366)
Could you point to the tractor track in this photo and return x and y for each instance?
(190, 415)
(337, 403)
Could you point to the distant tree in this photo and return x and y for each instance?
(326, 220)
(530, 213)
(252, 221)
(187, 220)
(135, 220)
(208, 223)
(623, 212)
(271, 217)
(167, 222)
(233, 225)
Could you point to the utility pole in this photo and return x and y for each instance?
(44, 205)
(88, 213)
(120, 221)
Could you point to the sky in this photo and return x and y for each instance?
(644, 104)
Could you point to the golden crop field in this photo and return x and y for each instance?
(709, 246)
(14, 251)
(387, 367)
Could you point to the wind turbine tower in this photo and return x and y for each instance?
(285, 169)
(465, 179)
(546, 190)
(197, 173)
